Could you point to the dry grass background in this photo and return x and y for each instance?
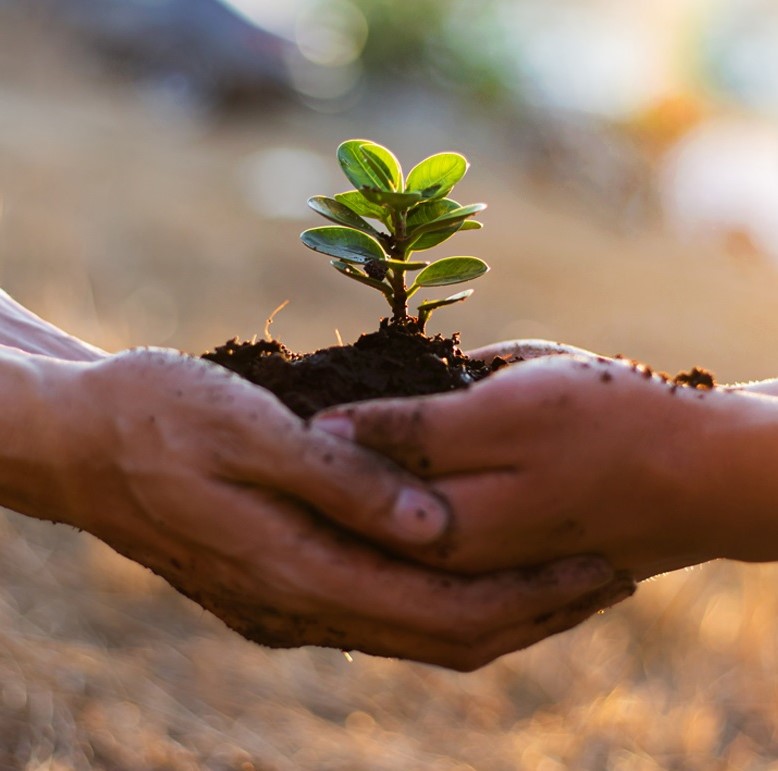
(130, 225)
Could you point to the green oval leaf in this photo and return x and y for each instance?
(367, 164)
(399, 201)
(344, 243)
(360, 205)
(385, 158)
(423, 214)
(429, 240)
(425, 308)
(339, 212)
(430, 210)
(435, 237)
(435, 176)
(451, 218)
(351, 272)
(430, 305)
(451, 270)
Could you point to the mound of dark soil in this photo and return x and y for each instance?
(397, 360)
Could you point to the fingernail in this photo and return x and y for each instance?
(337, 425)
(419, 517)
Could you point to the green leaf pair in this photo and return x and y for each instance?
(369, 166)
(417, 215)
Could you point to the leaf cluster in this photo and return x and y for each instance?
(388, 217)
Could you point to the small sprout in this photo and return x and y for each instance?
(386, 218)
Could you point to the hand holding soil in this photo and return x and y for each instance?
(214, 485)
(576, 453)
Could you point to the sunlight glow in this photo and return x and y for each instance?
(273, 16)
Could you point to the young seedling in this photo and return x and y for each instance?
(388, 217)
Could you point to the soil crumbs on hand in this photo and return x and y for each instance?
(696, 378)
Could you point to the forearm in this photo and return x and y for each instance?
(740, 475)
(20, 328)
(26, 458)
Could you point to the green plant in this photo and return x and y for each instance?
(416, 214)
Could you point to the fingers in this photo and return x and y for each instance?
(351, 485)
(428, 435)
(363, 491)
(455, 652)
(321, 570)
(465, 655)
(472, 429)
(328, 589)
(464, 624)
(468, 609)
(555, 622)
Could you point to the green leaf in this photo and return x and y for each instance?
(428, 240)
(435, 237)
(367, 164)
(435, 176)
(387, 162)
(425, 308)
(344, 243)
(351, 272)
(339, 212)
(405, 265)
(451, 270)
(360, 205)
(430, 305)
(400, 201)
(423, 214)
(451, 218)
(430, 210)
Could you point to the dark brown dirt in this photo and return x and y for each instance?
(696, 378)
(397, 360)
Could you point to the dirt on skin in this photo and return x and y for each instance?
(397, 360)
(696, 378)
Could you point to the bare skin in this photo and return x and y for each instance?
(23, 330)
(572, 453)
(214, 485)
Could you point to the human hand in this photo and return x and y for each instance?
(567, 454)
(515, 351)
(214, 485)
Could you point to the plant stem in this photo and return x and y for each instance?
(399, 297)
(399, 290)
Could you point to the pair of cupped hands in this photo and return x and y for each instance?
(448, 529)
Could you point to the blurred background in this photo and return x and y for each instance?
(155, 160)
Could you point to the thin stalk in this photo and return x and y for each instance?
(397, 279)
(399, 296)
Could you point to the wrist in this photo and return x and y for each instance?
(736, 450)
(28, 454)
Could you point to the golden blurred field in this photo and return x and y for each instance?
(128, 223)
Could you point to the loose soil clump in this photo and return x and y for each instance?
(697, 378)
(397, 360)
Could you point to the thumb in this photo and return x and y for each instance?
(362, 490)
(426, 435)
